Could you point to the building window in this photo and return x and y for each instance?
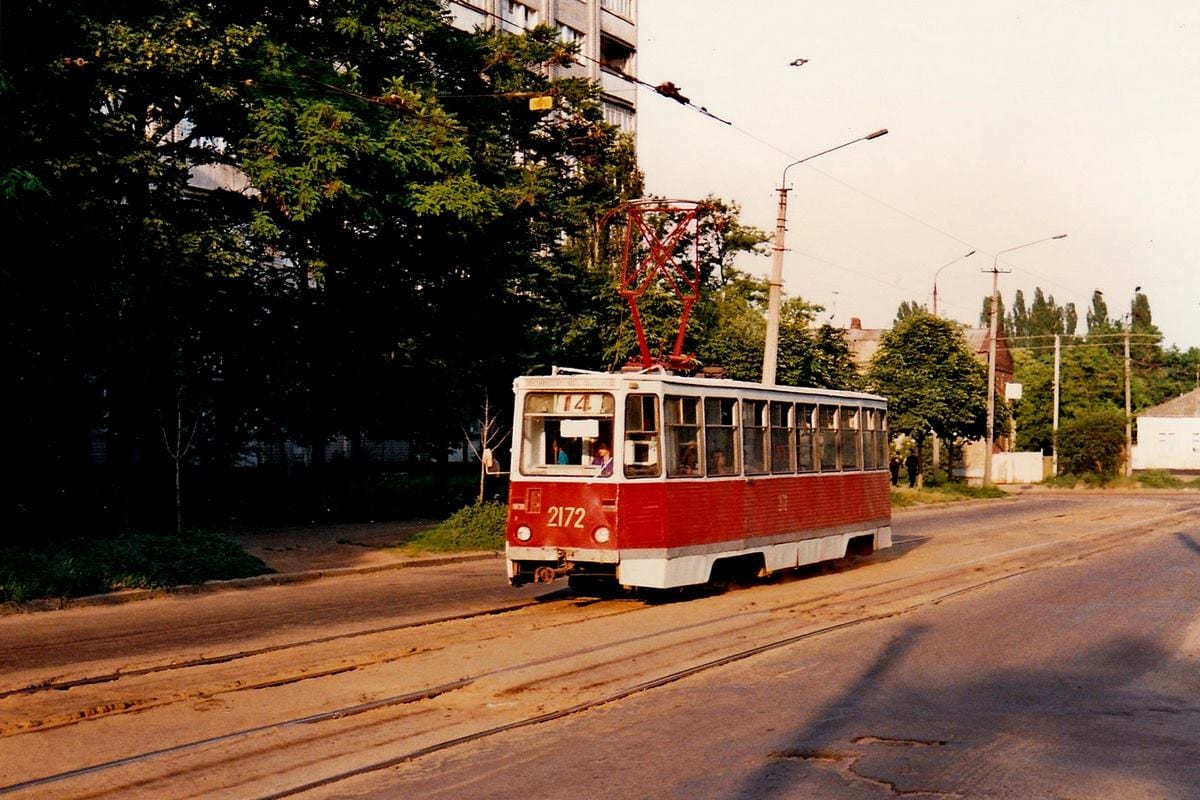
(518, 15)
(615, 55)
(622, 7)
(619, 117)
(568, 34)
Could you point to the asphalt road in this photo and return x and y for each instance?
(1045, 646)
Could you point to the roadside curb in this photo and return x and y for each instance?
(271, 579)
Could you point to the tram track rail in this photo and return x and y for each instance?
(828, 614)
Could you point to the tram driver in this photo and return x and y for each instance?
(603, 458)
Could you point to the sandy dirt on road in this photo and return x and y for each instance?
(321, 547)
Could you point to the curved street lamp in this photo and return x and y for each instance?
(775, 287)
(991, 404)
(939, 272)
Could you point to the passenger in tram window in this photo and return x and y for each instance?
(603, 458)
(688, 461)
(560, 453)
(719, 467)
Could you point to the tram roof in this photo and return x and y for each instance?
(581, 379)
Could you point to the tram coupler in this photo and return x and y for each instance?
(549, 574)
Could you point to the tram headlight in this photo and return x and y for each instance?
(524, 533)
(601, 534)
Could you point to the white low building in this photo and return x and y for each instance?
(1168, 435)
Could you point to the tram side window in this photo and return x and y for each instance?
(805, 441)
(754, 436)
(870, 434)
(851, 440)
(641, 436)
(881, 438)
(827, 430)
(720, 435)
(683, 436)
(561, 431)
(783, 437)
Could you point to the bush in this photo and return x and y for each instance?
(78, 567)
(1093, 444)
(475, 527)
(1158, 479)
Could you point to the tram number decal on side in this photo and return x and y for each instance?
(566, 517)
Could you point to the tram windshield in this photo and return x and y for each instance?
(568, 433)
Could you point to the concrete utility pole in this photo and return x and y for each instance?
(1128, 416)
(991, 405)
(1054, 429)
(775, 286)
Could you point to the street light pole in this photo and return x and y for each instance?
(991, 396)
(775, 286)
(939, 272)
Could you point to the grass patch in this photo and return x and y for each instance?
(943, 493)
(1150, 479)
(79, 567)
(475, 527)
(1159, 479)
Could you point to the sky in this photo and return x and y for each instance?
(1009, 122)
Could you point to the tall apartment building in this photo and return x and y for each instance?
(605, 29)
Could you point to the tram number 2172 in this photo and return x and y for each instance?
(565, 517)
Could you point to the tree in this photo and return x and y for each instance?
(396, 183)
(907, 309)
(1098, 322)
(931, 379)
(985, 314)
(1018, 317)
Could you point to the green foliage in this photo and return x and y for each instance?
(908, 308)
(82, 566)
(944, 493)
(1092, 373)
(931, 379)
(1158, 479)
(395, 184)
(1092, 443)
(475, 527)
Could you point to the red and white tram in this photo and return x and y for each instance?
(705, 473)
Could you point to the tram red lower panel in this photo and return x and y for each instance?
(686, 513)
(562, 518)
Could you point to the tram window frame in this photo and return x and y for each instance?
(755, 436)
(783, 437)
(543, 415)
(806, 438)
(683, 423)
(642, 436)
(721, 428)
(881, 440)
(850, 434)
(870, 439)
(827, 431)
